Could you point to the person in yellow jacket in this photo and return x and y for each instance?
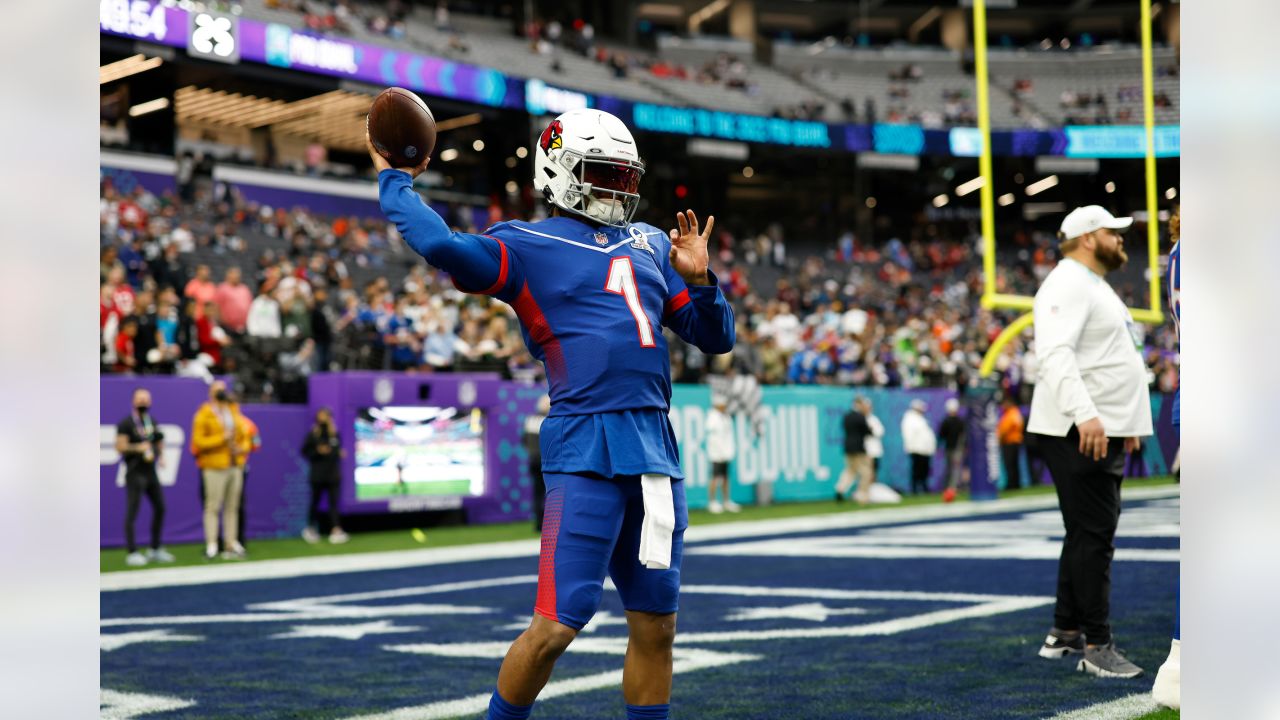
(252, 444)
(220, 439)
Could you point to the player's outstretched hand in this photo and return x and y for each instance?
(689, 248)
(380, 163)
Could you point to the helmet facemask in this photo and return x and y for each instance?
(607, 189)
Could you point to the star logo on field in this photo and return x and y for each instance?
(813, 612)
(115, 641)
(345, 632)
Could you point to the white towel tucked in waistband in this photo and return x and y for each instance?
(659, 522)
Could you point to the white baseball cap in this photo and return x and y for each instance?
(1089, 218)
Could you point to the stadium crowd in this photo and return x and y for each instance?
(295, 292)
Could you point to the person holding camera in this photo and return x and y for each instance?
(139, 443)
(323, 449)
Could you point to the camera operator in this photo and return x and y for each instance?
(323, 449)
(139, 443)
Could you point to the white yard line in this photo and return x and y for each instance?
(685, 660)
(1125, 708)
(121, 705)
(398, 559)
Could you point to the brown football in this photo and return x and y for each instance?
(401, 127)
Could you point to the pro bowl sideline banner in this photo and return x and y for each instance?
(801, 450)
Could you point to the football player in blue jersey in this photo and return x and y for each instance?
(592, 290)
(1167, 689)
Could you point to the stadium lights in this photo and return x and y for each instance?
(1171, 193)
(448, 154)
(478, 145)
(1040, 186)
(126, 67)
(706, 13)
(968, 187)
(149, 106)
(1110, 187)
(521, 152)
(941, 200)
(457, 122)
(1005, 200)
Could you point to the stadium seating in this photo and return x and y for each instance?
(829, 73)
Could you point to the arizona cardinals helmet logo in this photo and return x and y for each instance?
(550, 139)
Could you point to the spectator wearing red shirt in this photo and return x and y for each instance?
(122, 295)
(201, 288)
(233, 298)
(211, 336)
(126, 362)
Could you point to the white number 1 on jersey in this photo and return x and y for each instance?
(622, 281)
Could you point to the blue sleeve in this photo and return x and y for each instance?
(479, 264)
(699, 314)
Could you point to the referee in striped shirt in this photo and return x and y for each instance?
(1090, 406)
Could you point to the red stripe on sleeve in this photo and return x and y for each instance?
(676, 302)
(502, 273)
(502, 269)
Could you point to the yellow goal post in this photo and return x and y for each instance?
(992, 300)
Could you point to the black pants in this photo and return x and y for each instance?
(1013, 473)
(319, 490)
(1035, 461)
(1089, 496)
(136, 486)
(920, 473)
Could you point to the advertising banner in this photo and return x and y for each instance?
(798, 454)
(801, 449)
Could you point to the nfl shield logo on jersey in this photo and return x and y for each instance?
(602, 239)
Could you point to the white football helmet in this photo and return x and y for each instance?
(586, 163)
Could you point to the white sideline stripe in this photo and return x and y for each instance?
(399, 559)
(118, 705)
(887, 627)
(1125, 708)
(692, 660)
(324, 565)
(319, 612)
(834, 594)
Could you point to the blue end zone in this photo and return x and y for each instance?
(937, 619)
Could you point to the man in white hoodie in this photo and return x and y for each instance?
(720, 451)
(920, 444)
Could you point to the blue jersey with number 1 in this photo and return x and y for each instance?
(592, 302)
(1175, 306)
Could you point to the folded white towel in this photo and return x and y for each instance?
(659, 522)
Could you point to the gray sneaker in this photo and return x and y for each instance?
(1061, 643)
(159, 555)
(135, 559)
(1107, 662)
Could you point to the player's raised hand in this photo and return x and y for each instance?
(689, 248)
(380, 163)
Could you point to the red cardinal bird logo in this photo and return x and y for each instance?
(550, 139)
